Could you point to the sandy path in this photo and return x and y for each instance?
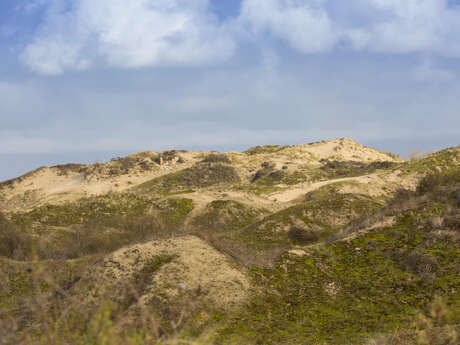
(304, 188)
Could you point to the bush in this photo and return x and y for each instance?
(351, 168)
(456, 197)
(434, 182)
(96, 237)
(418, 262)
(431, 328)
(200, 175)
(263, 149)
(123, 166)
(302, 236)
(13, 244)
(267, 169)
(216, 158)
(167, 157)
(452, 221)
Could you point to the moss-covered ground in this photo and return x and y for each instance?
(344, 292)
(323, 212)
(95, 225)
(200, 175)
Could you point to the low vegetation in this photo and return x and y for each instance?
(445, 160)
(264, 149)
(91, 225)
(328, 267)
(201, 175)
(216, 158)
(333, 169)
(374, 283)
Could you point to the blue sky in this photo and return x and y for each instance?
(85, 80)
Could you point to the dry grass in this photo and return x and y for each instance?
(51, 314)
(146, 294)
(13, 243)
(433, 327)
(216, 158)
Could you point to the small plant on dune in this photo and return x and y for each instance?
(435, 182)
(216, 158)
(334, 168)
(200, 175)
(302, 236)
(13, 243)
(263, 149)
(436, 326)
(168, 157)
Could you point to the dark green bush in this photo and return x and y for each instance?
(264, 149)
(351, 168)
(434, 182)
(216, 158)
(167, 157)
(200, 175)
(268, 168)
(302, 236)
(13, 244)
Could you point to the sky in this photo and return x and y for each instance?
(85, 80)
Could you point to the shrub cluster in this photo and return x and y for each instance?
(268, 168)
(264, 149)
(352, 168)
(90, 225)
(436, 182)
(13, 243)
(216, 158)
(167, 157)
(302, 236)
(200, 175)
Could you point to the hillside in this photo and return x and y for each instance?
(323, 243)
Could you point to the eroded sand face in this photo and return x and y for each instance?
(195, 266)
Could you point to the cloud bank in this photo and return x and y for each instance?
(126, 34)
(76, 34)
(387, 26)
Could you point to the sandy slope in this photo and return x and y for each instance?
(377, 184)
(196, 267)
(65, 183)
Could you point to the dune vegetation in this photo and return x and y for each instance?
(322, 243)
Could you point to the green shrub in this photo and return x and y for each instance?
(342, 292)
(13, 243)
(436, 181)
(302, 236)
(216, 158)
(200, 175)
(168, 157)
(263, 149)
(352, 168)
(100, 208)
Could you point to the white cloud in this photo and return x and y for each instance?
(128, 34)
(388, 26)
(75, 34)
(304, 24)
(407, 26)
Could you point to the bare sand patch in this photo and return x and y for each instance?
(195, 266)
